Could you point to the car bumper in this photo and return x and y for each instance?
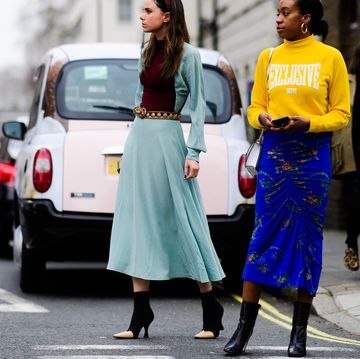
(76, 236)
(64, 235)
(241, 210)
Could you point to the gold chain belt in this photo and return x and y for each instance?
(142, 112)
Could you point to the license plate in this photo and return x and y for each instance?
(113, 166)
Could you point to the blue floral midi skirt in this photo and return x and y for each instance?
(160, 230)
(292, 193)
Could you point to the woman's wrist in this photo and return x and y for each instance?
(260, 122)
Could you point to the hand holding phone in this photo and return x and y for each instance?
(281, 122)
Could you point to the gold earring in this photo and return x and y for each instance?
(304, 28)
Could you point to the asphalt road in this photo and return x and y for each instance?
(79, 310)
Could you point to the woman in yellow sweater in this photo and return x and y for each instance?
(306, 82)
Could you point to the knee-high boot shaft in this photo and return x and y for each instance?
(212, 313)
(297, 346)
(142, 315)
(237, 343)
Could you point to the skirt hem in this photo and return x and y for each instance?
(263, 280)
(157, 278)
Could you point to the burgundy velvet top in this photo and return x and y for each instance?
(158, 94)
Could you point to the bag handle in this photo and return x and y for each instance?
(267, 83)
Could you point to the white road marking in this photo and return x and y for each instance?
(18, 305)
(107, 357)
(101, 347)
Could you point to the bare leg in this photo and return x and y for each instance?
(304, 296)
(251, 292)
(140, 285)
(205, 287)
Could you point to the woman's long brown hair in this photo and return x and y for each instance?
(175, 37)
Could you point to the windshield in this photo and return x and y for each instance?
(105, 90)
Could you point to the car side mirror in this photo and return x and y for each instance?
(14, 130)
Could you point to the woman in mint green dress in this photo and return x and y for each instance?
(160, 230)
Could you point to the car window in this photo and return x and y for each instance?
(217, 97)
(105, 89)
(34, 109)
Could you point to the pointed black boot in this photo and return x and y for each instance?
(238, 342)
(297, 346)
(212, 316)
(141, 318)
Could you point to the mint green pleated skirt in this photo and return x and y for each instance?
(160, 230)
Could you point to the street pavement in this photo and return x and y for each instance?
(338, 298)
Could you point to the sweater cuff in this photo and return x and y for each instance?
(314, 125)
(193, 154)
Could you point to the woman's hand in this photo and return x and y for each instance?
(296, 124)
(191, 169)
(265, 120)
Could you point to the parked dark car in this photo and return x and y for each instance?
(9, 150)
(7, 171)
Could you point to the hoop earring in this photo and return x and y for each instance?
(304, 28)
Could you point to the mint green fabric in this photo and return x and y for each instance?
(160, 229)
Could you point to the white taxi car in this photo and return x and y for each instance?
(67, 170)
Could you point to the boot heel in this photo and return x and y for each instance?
(212, 316)
(142, 317)
(297, 345)
(239, 340)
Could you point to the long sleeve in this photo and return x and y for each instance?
(192, 72)
(304, 78)
(140, 87)
(339, 100)
(259, 95)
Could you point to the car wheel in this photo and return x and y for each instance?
(5, 249)
(5, 232)
(32, 270)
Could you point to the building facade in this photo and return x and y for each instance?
(118, 20)
(242, 30)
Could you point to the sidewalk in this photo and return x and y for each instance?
(338, 298)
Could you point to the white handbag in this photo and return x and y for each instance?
(253, 155)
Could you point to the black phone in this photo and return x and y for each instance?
(281, 122)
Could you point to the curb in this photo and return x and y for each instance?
(340, 305)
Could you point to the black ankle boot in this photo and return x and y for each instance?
(141, 318)
(212, 315)
(297, 346)
(237, 343)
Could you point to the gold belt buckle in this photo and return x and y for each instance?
(140, 111)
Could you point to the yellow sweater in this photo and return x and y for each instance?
(305, 78)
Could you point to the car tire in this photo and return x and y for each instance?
(5, 234)
(5, 249)
(32, 270)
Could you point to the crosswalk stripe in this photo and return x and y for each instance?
(100, 347)
(105, 357)
(16, 304)
(151, 357)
